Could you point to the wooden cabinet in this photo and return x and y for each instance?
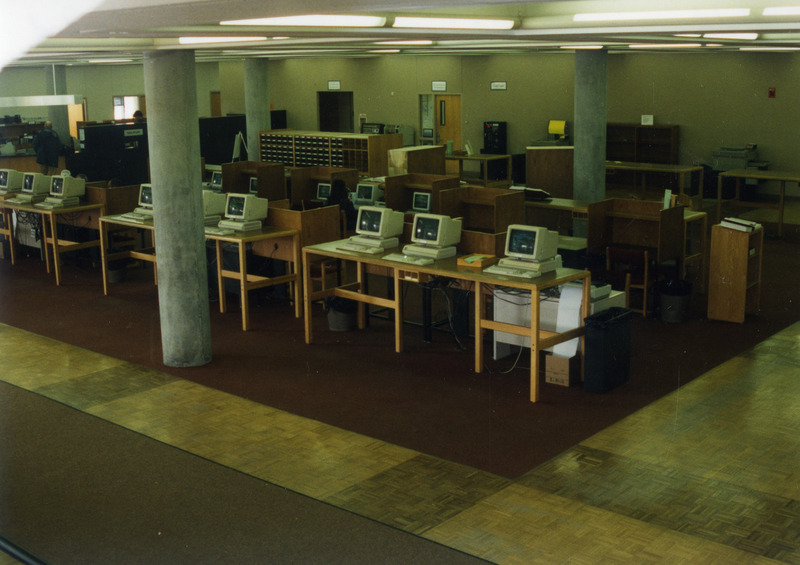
(550, 168)
(20, 134)
(734, 286)
(366, 153)
(642, 144)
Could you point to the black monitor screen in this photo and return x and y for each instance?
(253, 185)
(370, 220)
(3, 178)
(27, 183)
(522, 241)
(235, 206)
(216, 178)
(57, 185)
(364, 192)
(421, 200)
(426, 228)
(147, 195)
(323, 191)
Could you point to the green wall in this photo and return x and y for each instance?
(717, 99)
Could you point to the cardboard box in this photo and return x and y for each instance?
(562, 371)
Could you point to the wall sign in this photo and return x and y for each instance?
(334, 85)
(439, 86)
(498, 85)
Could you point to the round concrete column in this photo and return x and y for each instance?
(256, 101)
(591, 74)
(174, 141)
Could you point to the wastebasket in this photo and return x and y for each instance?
(341, 313)
(608, 349)
(674, 295)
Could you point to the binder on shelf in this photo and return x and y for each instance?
(740, 224)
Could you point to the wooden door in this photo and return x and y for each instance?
(448, 124)
(216, 104)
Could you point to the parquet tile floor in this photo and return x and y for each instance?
(707, 474)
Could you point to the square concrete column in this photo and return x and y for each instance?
(256, 99)
(591, 76)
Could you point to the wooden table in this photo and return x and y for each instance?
(680, 170)
(482, 285)
(247, 282)
(484, 160)
(50, 220)
(780, 176)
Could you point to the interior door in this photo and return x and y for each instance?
(448, 124)
(335, 111)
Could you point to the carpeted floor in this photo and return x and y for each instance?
(115, 496)
(428, 398)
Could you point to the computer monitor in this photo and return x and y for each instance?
(531, 243)
(65, 186)
(245, 207)
(323, 190)
(216, 180)
(367, 194)
(421, 202)
(435, 230)
(36, 183)
(381, 223)
(10, 180)
(253, 186)
(146, 195)
(214, 203)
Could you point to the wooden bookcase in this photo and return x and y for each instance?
(20, 134)
(734, 286)
(641, 144)
(364, 152)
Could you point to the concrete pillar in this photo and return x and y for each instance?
(591, 74)
(56, 83)
(174, 142)
(256, 98)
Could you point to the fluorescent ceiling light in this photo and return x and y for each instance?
(742, 36)
(662, 15)
(406, 42)
(663, 45)
(320, 20)
(765, 48)
(451, 23)
(384, 51)
(580, 46)
(110, 61)
(197, 40)
(695, 35)
(782, 11)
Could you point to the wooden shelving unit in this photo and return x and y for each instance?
(364, 152)
(641, 144)
(734, 286)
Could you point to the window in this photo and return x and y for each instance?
(125, 106)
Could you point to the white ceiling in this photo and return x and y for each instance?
(127, 28)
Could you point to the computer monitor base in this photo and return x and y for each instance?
(240, 225)
(435, 253)
(539, 266)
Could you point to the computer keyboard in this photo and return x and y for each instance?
(49, 205)
(511, 272)
(408, 259)
(349, 246)
(212, 230)
(16, 201)
(137, 218)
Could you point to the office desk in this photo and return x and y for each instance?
(681, 171)
(247, 282)
(484, 161)
(780, 176)
(50, 231)
(483, 283)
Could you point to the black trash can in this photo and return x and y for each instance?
(608, 349)
(674, 295)
(341, 313)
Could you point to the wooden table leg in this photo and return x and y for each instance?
(307, 298)
(103, 255)
(243, 298)
(398, 313)
(480, 309)
(298, 288)
(223, 306)
(56, 249)
(535, 345)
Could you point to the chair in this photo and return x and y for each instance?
(629, 268)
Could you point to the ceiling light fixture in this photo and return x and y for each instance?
(739, 36)
(406, 42)
(200, 40)
(662, 15)
(451, 23)
(384, 51)
(110, 61)
(663, 45)
(765, 48)
(580, 46)
(782, 11)
(319, 20)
